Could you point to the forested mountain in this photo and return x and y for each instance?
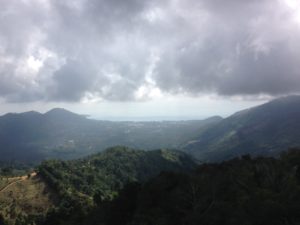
(263, 130)
(71, 189)
(242, 191)
(32, 136)
(110, 170)
(122, 186)
(95, 180)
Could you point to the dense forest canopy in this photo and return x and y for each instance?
(110, 170)
(122, 186)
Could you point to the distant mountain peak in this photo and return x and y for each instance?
(59, 111)
(62, 113)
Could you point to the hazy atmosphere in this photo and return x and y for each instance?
(149, 59)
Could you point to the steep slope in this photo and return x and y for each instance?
(32, 137)
(262, 130)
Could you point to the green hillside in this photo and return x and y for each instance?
(111, 170)
(85, 183)
(262, 130)
(122, 186)
(242, 191)
(70, 190)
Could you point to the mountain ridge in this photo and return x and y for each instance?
(59, 133)
(264, 129)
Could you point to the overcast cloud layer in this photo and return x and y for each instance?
(119, 50)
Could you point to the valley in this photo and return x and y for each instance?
(59, 134)
(32, 137)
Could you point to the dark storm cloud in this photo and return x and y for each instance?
(72, 50)
(250, 48)
(71, 81)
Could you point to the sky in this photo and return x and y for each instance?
(115, 59)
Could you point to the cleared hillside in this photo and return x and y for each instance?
(25, 199)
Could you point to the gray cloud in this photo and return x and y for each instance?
(244, 52)
(71, 81)
(73, 50)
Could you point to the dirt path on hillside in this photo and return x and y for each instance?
(22, 178)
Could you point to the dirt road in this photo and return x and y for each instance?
(18, 179)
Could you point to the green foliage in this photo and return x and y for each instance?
(109, 171)
(96, 180)
(11, 169)
(242, 191)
